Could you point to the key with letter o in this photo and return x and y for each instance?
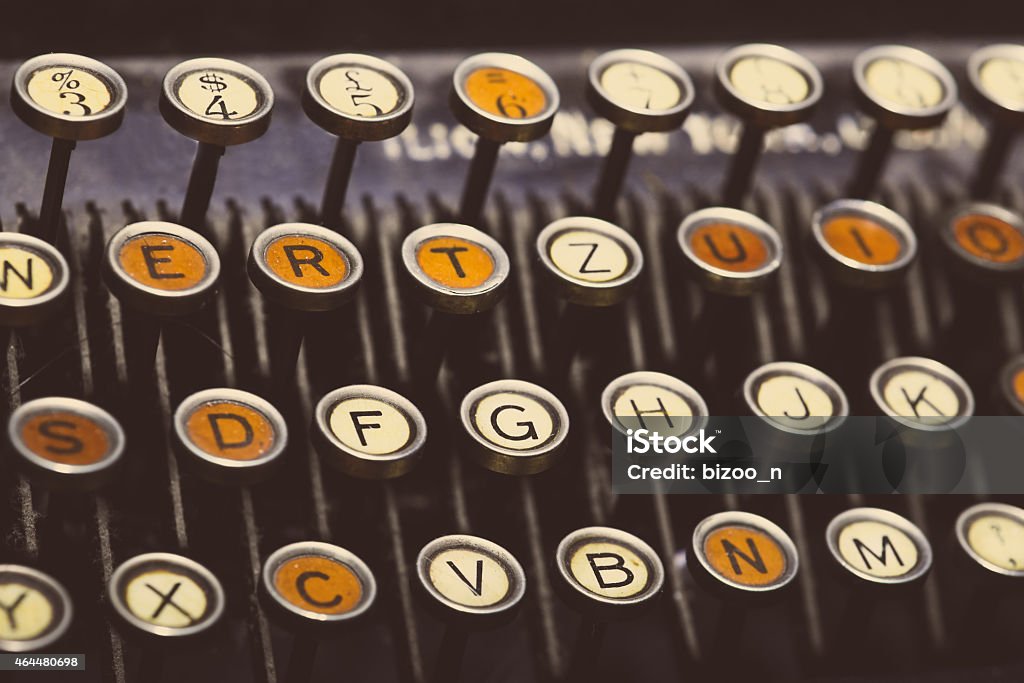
(35, 610)
(985, 242)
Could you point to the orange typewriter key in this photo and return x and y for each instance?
(734, 252)
(640, 92)
(739, 553)
(502, 98)
(1011, 385)
(471, 584)
(69, 98)
(996, 75)
(606, 575)
(157, 269)
(36, 609)
(66, 442)
(766, 86)
(863, 244)
(230, 435)
(359, 99)
(315, 589)
(217, 103)
(985, 241)
(901, 88)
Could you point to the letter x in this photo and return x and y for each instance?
(167, 599)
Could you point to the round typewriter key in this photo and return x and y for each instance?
(34, 280)
(368, 431)
(864, 244)
(594, 262)
(35, 610)
(502, 98)
(879, 546)
(767, 86)
(901, 88)
(639, 92)
(992, 535)
(230, 435)
(996, 75)
(796, 398)
(217, 103)
(359, 99)
(922, 393)
(516, 427)
(985, 240)
(654, 401)
(1011, 385)
(456, 268)
(744, 552)
(69, 98)
(734, 251)
(163, 595)
(67, 442)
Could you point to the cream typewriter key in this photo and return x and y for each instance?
(734, 252)
(767, 87)
(368, 432)
(591, 261)
(879, 547)
(607, 575)
(157, 270)
(900, 88)
(65, 442)
(217, 103)
(302, 270)
(1011, 386)
(316, 589)
(502, 98)
(69, 98)
(640, 92)
(515, 427)
(471, 584)
(795, 398)
(34, 280)
(985, 241)
(922, 394)
(359, 99)
(653, 401)
(35, 610)
(863, 244)
(230, 436)
(996, 75)
(992, 536)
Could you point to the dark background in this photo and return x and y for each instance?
(120, 27)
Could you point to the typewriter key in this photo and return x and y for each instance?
(316, 588)
(69, 98)
(639, 92)
(35, 280)
(164, 597)
(796, 398)
(996, 75)
(302, 270)
(157, 269)
(231, 436)
(992, 535)
(67, 443)
(217, 103)
(358, 98)
(879, 546)
(735, 252)
(739, 553)
(900, 88)
(863, 244)
(607, 575)
(1011, 385)
(472, 583)
(653, 401)
(516, 427)
(986, 241)
(502, 98)
(35, 610)
(922, 394)
(766, 86)
(368, 432)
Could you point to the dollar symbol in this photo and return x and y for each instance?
(212, 82)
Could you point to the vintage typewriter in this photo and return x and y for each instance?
(313, 359)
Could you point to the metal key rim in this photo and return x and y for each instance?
(50, 404)
(894, 115)
(635, 119)
(886, 518)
